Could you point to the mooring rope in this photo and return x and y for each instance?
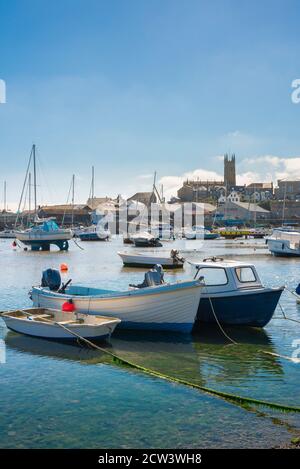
(225, 395)
(80, 247)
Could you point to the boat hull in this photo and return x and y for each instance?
(130, 260)
(92, 237)
(53, 331)
(283, 248)
(169, 307)
(253, 309)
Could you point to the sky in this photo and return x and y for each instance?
(137, 86)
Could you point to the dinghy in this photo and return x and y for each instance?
(130, 259)
(55, 324)
(167, 306)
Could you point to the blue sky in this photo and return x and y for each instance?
(133, 86)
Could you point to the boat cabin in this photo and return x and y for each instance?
(222, 276)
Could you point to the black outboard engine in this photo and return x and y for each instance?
(51, 278)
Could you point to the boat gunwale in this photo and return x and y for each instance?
(117, 295)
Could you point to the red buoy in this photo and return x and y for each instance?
(64, 267)
(68, 307)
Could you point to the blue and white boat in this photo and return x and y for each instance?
(284, 242)
(94, 233)
(167, 307)
(43, 233)
(234, 294)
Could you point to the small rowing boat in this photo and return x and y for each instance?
(133, 259)
(54, 324)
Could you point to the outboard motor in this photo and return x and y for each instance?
(51, 278)
(153, 277)
(298, 289)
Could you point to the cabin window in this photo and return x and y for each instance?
(213, 276)
(245, 274)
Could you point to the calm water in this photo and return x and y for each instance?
(55, 395)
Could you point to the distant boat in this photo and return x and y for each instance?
(55, 324)
(43, 232)
(7, 234)
(284, 242)
(133, 259)
(167, 307)
(93, 233)
(234, 295)
(143, 239)
(199, 232)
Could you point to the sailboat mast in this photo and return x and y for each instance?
(29, 198)
(93, 183)
(4, 208)
(73, 195)
(4, 203)
(34, 179)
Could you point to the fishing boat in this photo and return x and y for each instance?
(284, 242)
(43, 232)
(167, 306)
(55, 324)
(199, 232)
(143, 239)
(234, 295)
(94, 233)
(133, 259)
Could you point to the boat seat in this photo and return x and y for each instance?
(67, 322)
(38, 316)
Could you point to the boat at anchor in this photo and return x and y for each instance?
(284, 242)
(138, 259)
(54, 324)
(42, 232)
(234, 295)
(164, 307)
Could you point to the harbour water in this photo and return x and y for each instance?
(56, 395)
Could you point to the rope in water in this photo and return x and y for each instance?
(225, 395)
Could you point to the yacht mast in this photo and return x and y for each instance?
(73, 195)
(34, 180)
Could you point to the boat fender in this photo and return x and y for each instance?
(68, 306)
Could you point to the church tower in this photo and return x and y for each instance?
(229, 171)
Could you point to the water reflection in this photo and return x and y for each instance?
(206, 358)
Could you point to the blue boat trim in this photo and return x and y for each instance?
(255, 309)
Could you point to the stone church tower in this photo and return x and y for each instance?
(229, 171)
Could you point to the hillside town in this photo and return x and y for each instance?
(224, 203)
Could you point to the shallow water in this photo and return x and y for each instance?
(57, 395)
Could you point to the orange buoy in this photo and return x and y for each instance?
(64, 267)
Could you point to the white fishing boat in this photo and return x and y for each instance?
(284, 242)
(138, 259)
(167, 306)
(55, 324)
